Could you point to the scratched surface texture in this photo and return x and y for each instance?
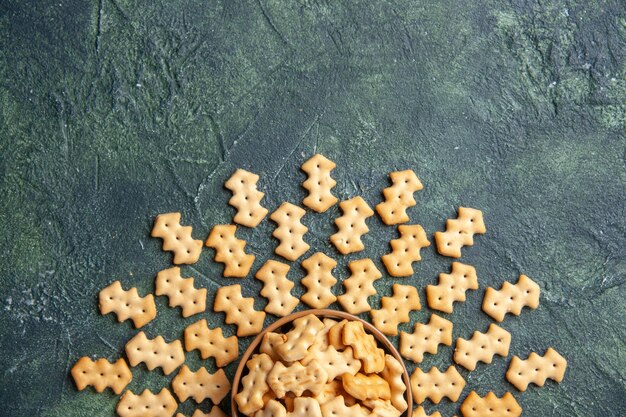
(113, 111)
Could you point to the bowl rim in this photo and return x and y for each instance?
(324, 313)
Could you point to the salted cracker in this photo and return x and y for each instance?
(332, 390)
(364, 346)
(319, 280)
(420, 412)
(335, 335)
(181, 291)
(147, 404)
(177, 238)
(536, 369)
(426, 338)
(215, 412)
(290, 231)
(511, 298)
(101, 374)
(230, 250)
(451, 287)
(305, 407)
(399, 197)
(392, 373)
(254, 384)
(270, 342)
(460, 232)
(490, 406)
(246, 198)
(297, 378)
(382, 408)
(335, 363)
(436, 384)
(155, 353)
(359, 286)
(338, 408)
(482, 347)
(272, 408)
(319, 183)
(351, 225)
(405, 250)
(366, 387)
(395, 309)
(200, 385)
(277, 288)
(239, 310)
(211, 342)
(127, 304)
(300, 338)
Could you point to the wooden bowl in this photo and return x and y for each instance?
(321, 313)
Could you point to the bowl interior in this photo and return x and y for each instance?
(382, 340)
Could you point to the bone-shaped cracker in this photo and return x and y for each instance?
(101, 374)
(215, 412)
(332, 390)
(451, 287)
(155, 353)
(351, 225)
(399, 197)
(321, 340)
(177, 238)
(229, 250)
(338, 408)
(297, 378)
(270, 342)
(319, 183)
(180, 291)
(460, 232)
(239, 310)
(511, 298)
(272, 409)
(211, 342)
(246, 198)
(366, 387)
(147, 404)
(127, 304)
(482, 347)
(200, 385)
(364, 347)
(359, 286)
(490, 406)
(319, 280)
(305, 407)
(405, 250)
(436, 384)
(277, 288)
(300, 338)
(395, 310)
(290, 231)
(382, 408)
(335, 363)
(420, 412)
(254, 385)
(426, 338)
(536, 369)
(392, 373)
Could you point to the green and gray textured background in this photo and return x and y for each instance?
(112, 111)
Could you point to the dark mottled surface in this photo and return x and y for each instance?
(112, 111)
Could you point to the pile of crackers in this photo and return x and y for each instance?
(320, 367)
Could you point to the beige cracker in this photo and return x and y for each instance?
(426, 338)
(338, 408)
(511, 298)
(419, 412)
(395, 310)
(451, 287)
(490, 406)
(211, 342)
(277, 288)
(270, 342)
(335, 363)
(335, 335)
(127, 304)
(536, 369)
(392, 373)
(180, 291)
(250, 398)
(147, 404)
(319, 280)
(239, 310)
(177, 238)
(382, 408)
(300, 338)
(297, 378)
(366, 387)
(230, 251)
(200, 385)
(436, 384)
(364, 346)
(101, 374)
(215, 412)
(290, 231)
(319, 183)
(332, 390)
(460, 232)
(405, 250)
(399, 197)
(155, 353)
(246, 198)
(351, 225)
(482, 347)
(359, 286)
